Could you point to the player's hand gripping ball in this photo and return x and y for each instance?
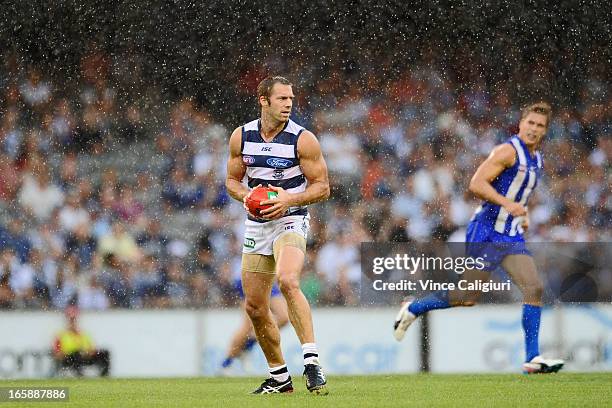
(257, 195)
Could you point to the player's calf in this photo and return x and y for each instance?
(464, 298)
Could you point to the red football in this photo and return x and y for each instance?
(257, 195)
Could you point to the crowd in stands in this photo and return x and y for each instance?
(109, 200)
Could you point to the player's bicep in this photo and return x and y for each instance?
(315, 170)
(235, 165)
(235, 169)
(312, 163)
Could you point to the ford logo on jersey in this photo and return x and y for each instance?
(278, 163)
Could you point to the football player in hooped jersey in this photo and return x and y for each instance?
(277, 152)
(504, 182)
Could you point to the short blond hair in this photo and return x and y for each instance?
(543, 108)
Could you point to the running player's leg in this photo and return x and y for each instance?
(289, 252)
(441, 299)
(523, 271)
(524, 274)
(278, 305)
(476, 246)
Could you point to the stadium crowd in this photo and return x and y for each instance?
(111, 199)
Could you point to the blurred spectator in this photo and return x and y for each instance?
(7, 296)
(68, 174)
(204, 257)
(342, 154)
(82, 244)
(133, 126)
(42, 269)
(338, 261)
(92, 295)
(34, 91)
(14, 281)
(63, 124)
(119, 242)
(127, 207)
(63, 290)
(115, 277)
(176, 286)
(11, 133)
(10, 179)
(73, 215)
(147, 282)
(152, 240)
(38, 196)
(90, 131)
(200, 286)
(181, 190)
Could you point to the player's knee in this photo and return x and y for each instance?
(255, 310)
(288, 285)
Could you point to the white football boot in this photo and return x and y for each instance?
(402, 321)
(541, 365)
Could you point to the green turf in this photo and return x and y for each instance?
(507, 390)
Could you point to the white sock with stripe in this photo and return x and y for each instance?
(279, 373)
(311, 355)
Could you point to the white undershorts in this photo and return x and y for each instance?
(259, 237)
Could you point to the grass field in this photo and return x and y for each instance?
(507, 390)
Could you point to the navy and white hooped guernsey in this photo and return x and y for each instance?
(515, 183)
(274, 163)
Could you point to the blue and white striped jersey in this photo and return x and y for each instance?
(516, 183)
(275, 163)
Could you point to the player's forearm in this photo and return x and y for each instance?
(485, 191)
(236, 189)
(314, 193)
